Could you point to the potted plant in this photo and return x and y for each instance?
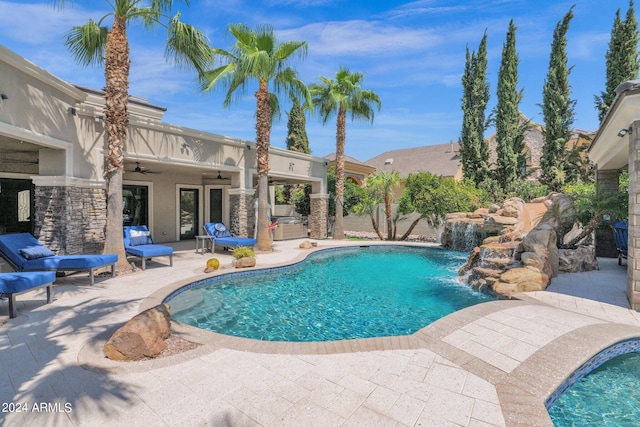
(244, 256)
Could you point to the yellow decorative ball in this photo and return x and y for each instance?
(213, 263)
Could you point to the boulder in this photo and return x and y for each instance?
(142, 336)
(246, 262)
(494, 208)
(577, 260)
(305, 245)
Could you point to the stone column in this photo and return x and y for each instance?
(70, 219)
(608, 182)
(241, 212)
(318, 217)
(633, 261)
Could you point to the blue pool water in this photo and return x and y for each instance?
(607, 396)
(332, 295)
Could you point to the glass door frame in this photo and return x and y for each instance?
(150, 208)
(200, 189)
(225, 202)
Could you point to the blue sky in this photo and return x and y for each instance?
(411, 53)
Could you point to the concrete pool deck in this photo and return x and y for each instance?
(493, 364)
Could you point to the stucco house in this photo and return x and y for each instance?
(52, 146)
(616, 146)
(354, 169)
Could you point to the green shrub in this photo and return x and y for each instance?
(243, 252)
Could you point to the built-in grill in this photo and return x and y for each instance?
(289, 227)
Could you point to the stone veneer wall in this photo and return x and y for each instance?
(241, 218)
(633, 261)
(318, 217)
(70, 220)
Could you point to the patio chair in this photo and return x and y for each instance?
(12, 284)
(621, 235)
(138, 242)
(25, 253)
(221, 236)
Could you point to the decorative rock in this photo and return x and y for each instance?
(305, 245)
(532, 259)
(245, 262)
(473, 257)
(577, 260)
(501, 220)
(142, 336)
(494, 208)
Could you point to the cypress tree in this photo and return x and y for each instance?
(557, 109)
(509, 134)
(474, 150)
(622, 58)
(297, 139)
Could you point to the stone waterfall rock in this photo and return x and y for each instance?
(142, 336)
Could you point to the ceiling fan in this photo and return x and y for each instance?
(141, 170)
(221, 178)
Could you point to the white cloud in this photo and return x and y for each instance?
(362, 38)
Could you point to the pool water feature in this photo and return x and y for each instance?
(608, 394)
(333, 294)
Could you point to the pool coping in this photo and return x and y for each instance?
(522, 392)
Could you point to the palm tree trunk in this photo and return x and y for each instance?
(413, 225)
(263, 131)
(376, 228)
(116, 119)
(338, 229)
(387, 212)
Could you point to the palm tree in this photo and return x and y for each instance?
(339, 96)
(381, 185)
(93, 43)
(257, 55)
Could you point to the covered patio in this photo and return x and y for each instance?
(615, 147)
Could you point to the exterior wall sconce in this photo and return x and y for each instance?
(248, 147)
(4, 96)
(72, 111)
(625, 131)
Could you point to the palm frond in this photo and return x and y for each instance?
(211, 78)
(188, 46)
(87, 43)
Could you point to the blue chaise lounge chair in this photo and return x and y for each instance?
(12, 284)
(621, 235)
(222, 237)
(25, 253)
(138, 242)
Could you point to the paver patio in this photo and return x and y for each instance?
(489, 365)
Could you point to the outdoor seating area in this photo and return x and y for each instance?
(138, 243)
(25, 253)
(221, 236)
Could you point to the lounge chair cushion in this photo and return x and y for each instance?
(13, 283)
(35, 252)
(222, 236)
(10, 245)
(149, 251)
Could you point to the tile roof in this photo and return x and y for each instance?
(441, 159)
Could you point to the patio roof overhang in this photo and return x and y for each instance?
(609, 149)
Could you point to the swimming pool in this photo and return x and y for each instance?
(334, 294)
(603, 392)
